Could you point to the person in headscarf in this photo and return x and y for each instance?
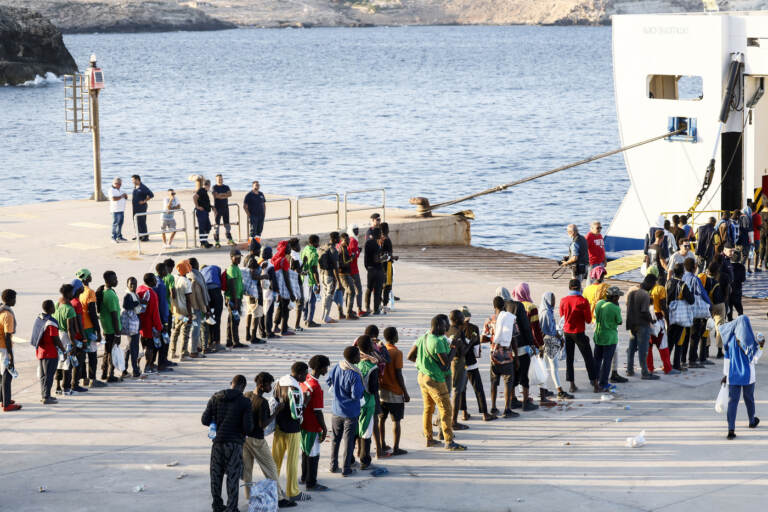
(281, 261)
(742, 351)
(522, 293)
(553, 340)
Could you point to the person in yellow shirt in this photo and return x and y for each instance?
(594, 293)
(7, 330)
(91, 328)
(659, 300)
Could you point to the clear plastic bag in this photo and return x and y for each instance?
(721, 402)
(263, 496)
(118, 359)
(537, 374)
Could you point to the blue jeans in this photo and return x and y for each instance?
(603, 359)
(733, 403)
(638, 342)
(309, 306)
(117, 225)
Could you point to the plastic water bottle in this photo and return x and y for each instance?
(212, 431)
(13, 372)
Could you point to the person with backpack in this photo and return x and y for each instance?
(705, 246)
(680, 297)
(701, 313)
(229, 418)
(328, 262)
(743, 350)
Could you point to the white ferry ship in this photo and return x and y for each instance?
(703, 73)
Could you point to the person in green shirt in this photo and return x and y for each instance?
(607, 321)
(309, 261)
(234, 299)
(66, 317)
(108, 307)
(432, 354)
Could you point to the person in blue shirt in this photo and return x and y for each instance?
(255, 206)
(346, 383)
(212, 275)
(742, 351)
(165, 316)
(139, 199)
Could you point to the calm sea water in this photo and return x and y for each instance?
(432, 111)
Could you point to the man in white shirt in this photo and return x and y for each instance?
(500, 330)
(117, 200)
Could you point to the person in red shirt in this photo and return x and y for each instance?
(150, 324)
(46, 351)
(575, 310)
(313, 429)
(354, 270)
(757, 221)
(595, 246)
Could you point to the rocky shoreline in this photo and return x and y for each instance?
(79, 16)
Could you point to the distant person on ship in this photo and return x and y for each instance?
(578, 256)
(255, 206)
(595, 246)
(705, 245)
(139, 199)
(117, 200)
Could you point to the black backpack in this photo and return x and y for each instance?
(325, 262)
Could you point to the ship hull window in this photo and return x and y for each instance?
(675, 87)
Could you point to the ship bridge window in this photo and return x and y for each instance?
(675, 87)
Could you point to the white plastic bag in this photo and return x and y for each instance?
(269, 429)
(118, 359)
(721, 402)
(263, 496)
(637, 441)
(537, 374)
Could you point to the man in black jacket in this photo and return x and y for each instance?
(373, 256)
(705, 247)
(230, 412)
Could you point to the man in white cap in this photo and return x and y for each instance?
(117, 200)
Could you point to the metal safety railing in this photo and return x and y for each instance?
(693, 215)
(289, 217)
(139, 236)
(213, 224)
(299, 216)
(382, 206)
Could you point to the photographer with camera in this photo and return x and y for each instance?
(578, 256)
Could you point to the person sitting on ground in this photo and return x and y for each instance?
(574, 309)
(742, 351)
(231, 414)
(313, 429)
(392, 392)
(256, 447)
(607, 321)
(346, 383)
(432, 354)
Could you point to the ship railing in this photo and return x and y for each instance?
(288, 217)
(236, 206)
(382, 206)
(335, 211)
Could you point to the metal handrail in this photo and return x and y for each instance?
(160, 212)
(289, 218)
(692, 216)
(383, 205)
(317, 214)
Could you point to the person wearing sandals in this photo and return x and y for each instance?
(432, 354)
(553, 340)
(742, 351)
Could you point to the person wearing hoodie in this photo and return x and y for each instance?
(45, 338)
(7, 330)
(346, 383)
(132, 307)
(742, 351)
(522, 294)
(575, 311)
(229, 418)
(150, 325)
(282, 265)
(553, 341)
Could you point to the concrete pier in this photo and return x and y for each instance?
(97, 448)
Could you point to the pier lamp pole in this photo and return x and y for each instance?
(95, 83)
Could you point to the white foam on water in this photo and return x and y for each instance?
(40, 81)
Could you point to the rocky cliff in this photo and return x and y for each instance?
(163, 15)
(30, 45)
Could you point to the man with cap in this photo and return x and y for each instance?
(607, 322)
(375, 223)
(233, 296)
(91, 328)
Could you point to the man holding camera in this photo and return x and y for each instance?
(578, 256)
